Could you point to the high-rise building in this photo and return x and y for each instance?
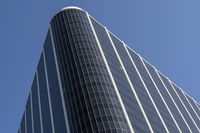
(89, 81)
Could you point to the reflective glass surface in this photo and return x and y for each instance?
(91, 102)
(193, 104)
(28, 116)
(168, 99)
(35, 104)
(23, 124)
(54, 89)
(46, 118)
(155, 95)
(179, 104)
(144, 98)
(189, 108)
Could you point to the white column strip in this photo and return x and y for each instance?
(190, 105)
(39, 103)
(184, 106)
(25, 121)
(157, 111)
(112, 79)
(197, 105)
(59, 81)
(161, 96)
(48, 92)
(32, 111)
(173, 100)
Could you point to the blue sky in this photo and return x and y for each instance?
(165, 33)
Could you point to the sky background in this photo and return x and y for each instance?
(165, 32)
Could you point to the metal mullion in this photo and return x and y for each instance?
(89, 77)
(80, 82)
(58, 73)
(32, 111)
(98, 90)
(87, 72)
(40, 110)
(83, 77)
(25, 119)
(59, 32)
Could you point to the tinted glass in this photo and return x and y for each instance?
(131, 105)
(189, 108)
(167, 99)
(91, 100)
(155, 95)
(56, 101)
(193, 104)
(179, 104)
(35, 104)
(28, 116)
(46, 118)
(144, 98)
(23, 124)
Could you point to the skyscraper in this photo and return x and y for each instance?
(89, 81)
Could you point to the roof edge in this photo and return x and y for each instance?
(71, 7)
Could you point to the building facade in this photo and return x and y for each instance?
(89, 81)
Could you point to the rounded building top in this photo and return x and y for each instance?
(71, 7)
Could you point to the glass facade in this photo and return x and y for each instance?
(89, 81)
(193, 104)
(179, 104)
(55, 94)
(177, 116)
(187, 105)
(155, 95)
(44, 98)
(136, 117)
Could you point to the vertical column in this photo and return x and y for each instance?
(32, 111)
(39, 100)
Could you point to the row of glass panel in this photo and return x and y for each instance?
(165, 106)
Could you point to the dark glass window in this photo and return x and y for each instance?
(56, 101)
(35, 104)
(28, 116)
(46, 118)
(23, 124)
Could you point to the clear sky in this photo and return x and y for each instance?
(165, 32)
